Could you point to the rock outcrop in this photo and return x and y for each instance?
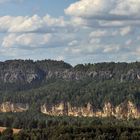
(21, 76)
(13, 107)
(125, 110)
(72, 74)
(28, 71)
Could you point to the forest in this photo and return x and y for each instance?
(49, 81)
(94, 129)
(39, 82)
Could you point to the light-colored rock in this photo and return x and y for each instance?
(125, 110)
(13, 107)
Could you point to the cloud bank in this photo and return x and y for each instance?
(105, 9)
(99, 30)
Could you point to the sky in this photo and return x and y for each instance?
(75, 31)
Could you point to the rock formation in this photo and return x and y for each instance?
(125, 110)
(13, 107)
(26, 72)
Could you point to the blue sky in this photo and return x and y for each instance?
(74, 31)
(31, 7)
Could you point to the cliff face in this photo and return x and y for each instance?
(13, 107)
(72, 74)
(67, 109)
(20, 71)
(28, 71)
(19, 75)
(125, 110)
(37, 75)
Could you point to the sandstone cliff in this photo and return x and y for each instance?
(13, 107)
(125, 110)
(27, 72)
(113, 79)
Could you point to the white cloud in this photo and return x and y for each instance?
(105, 13)
(111, 48)
(89, 8)
(125, 31)
(32, 24)
(95, 41)
(59, 58)
(98, 33)
(94, 47)
(104, 9)
(127, 7)
(102, 33)
(95, 27)
(28, 40)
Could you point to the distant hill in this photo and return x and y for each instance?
(22, 74)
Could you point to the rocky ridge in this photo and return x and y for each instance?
(125, 110)
(28, 71)
(14, 74)
(13, 107)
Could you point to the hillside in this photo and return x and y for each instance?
(57, 88)
(28, 72)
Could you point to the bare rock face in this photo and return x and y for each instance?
(67, 109)
(20, 71)
(108, 110)
(125, 110)
(13, 107)
(86, 111)
(22, 77)
(56, 110)
(71, 74)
